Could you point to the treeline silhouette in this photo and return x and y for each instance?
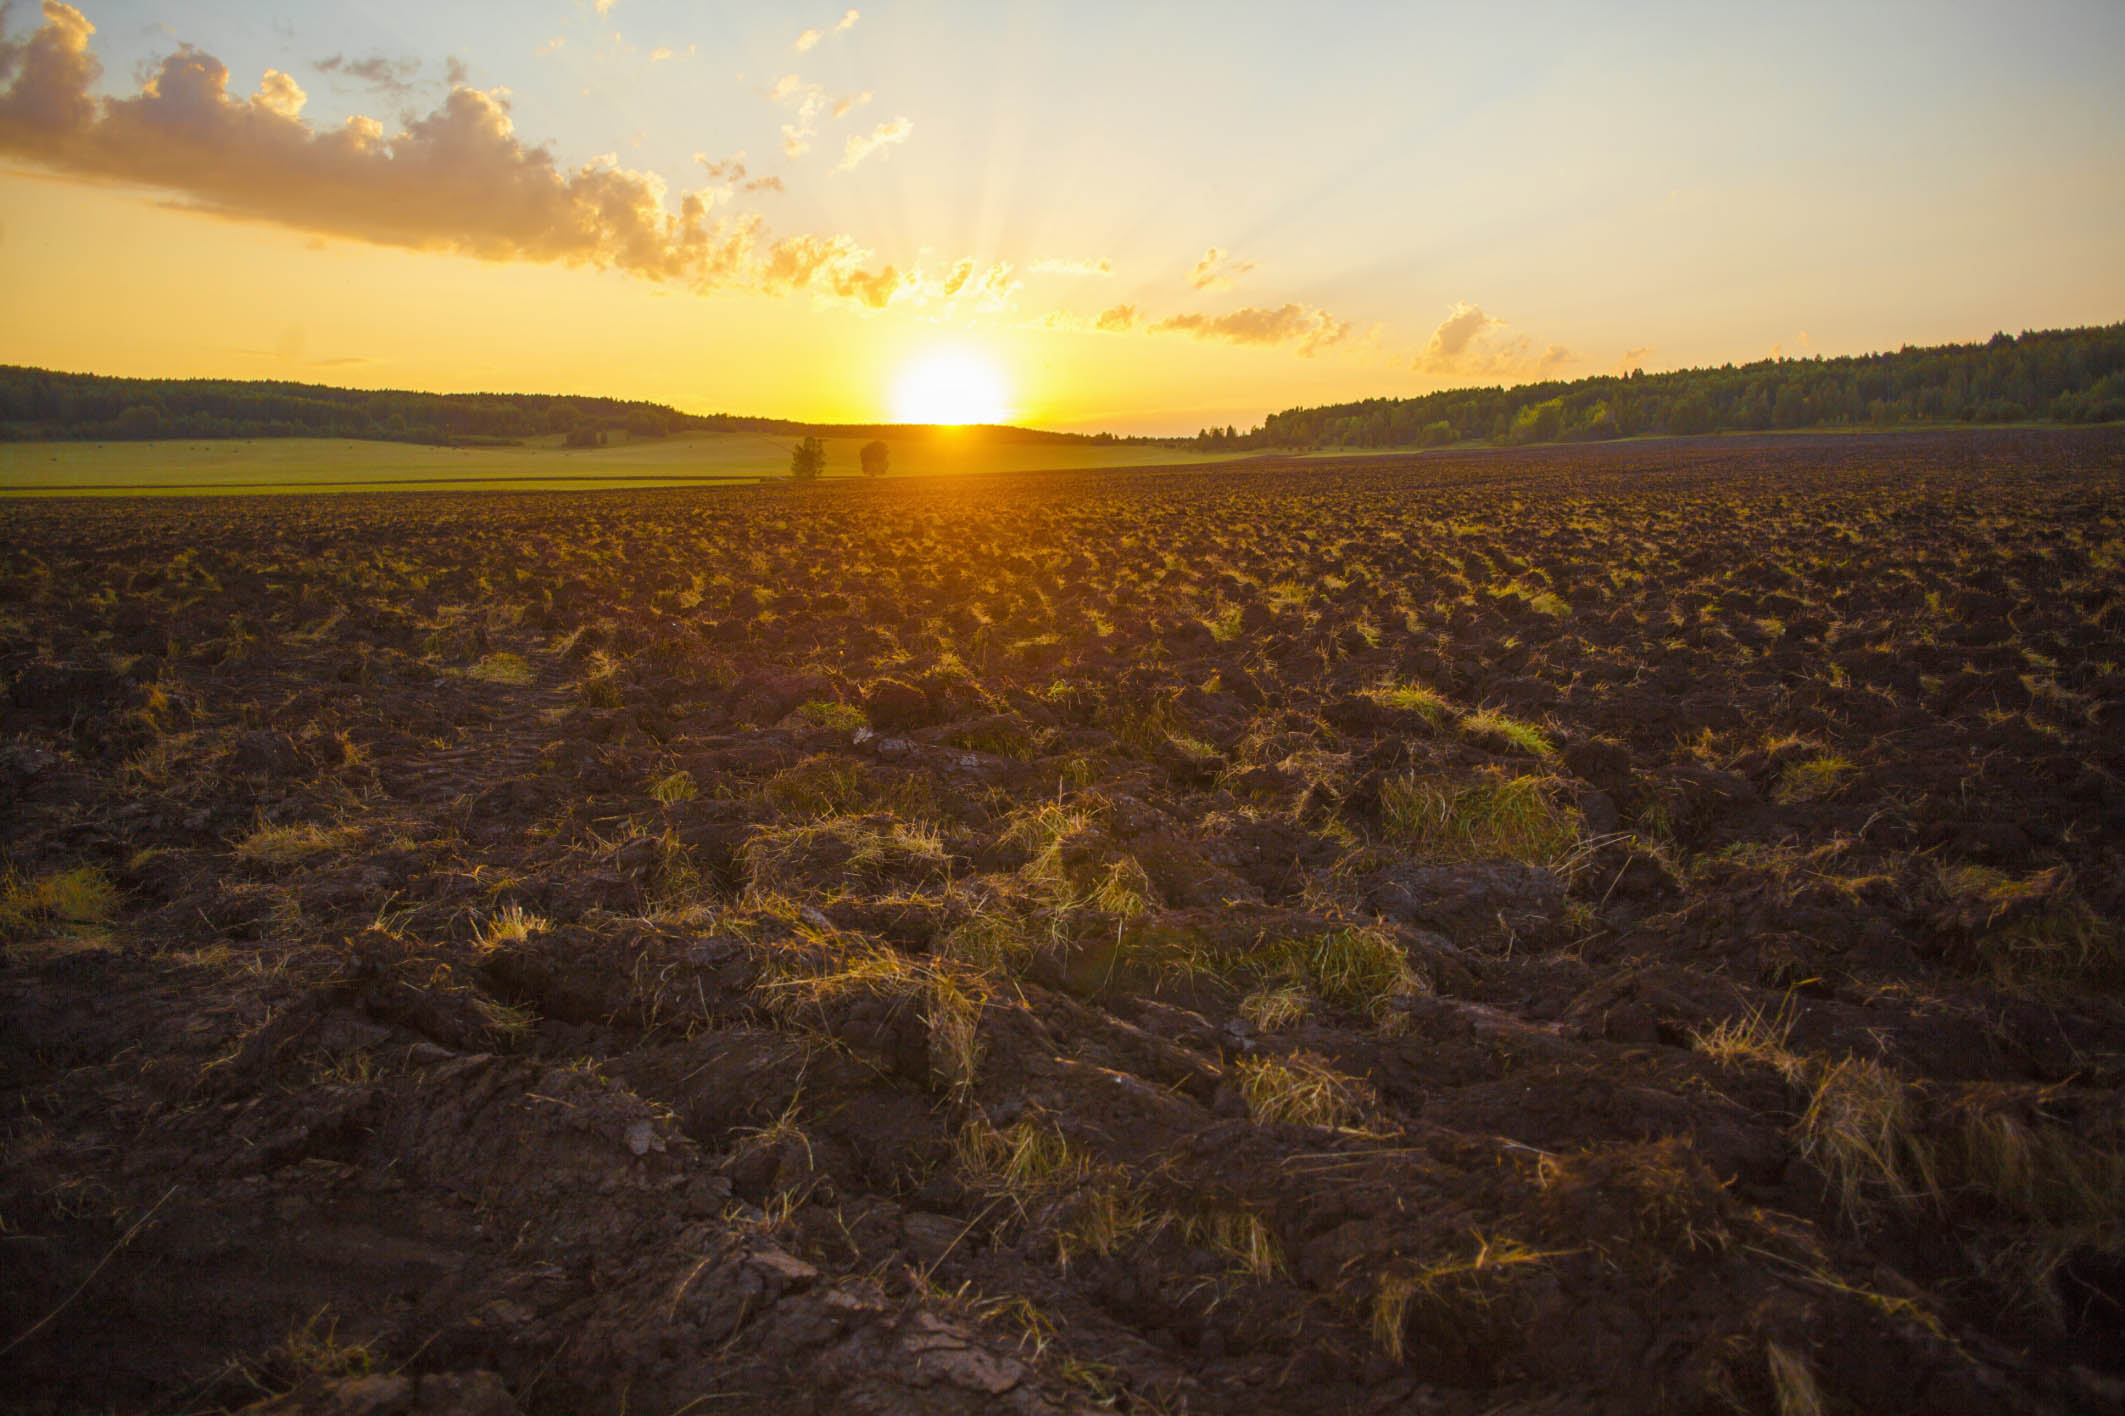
(39, 404)
(2065, 376)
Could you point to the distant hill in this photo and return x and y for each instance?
(39, 404)
(2065, 376)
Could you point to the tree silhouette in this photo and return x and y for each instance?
(807, 460)
(875, 456)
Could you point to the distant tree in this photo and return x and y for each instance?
(875, 456)
(807, 460)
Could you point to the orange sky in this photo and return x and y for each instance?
(1143, 222)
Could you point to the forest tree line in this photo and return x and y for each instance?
(40, 405)
(2064, 376)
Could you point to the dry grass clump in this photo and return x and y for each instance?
(677, 787)
(802, 982)
(514, 925)
(845, 852)
(61, 899)
(502, 668)
(1858, 1131)
(1359, 968)
(1022, 1162)
(840, 717)
(2031, 929)
(1276, 1006)
(1488, 722)
(1815, 779)
(828, 785)
(1413, 698)
(1754, 1037)
(1492, 816)
(1447, 1290)
(1238, 1236)
(285, 845)
(1301, 1090)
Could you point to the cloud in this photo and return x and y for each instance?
(458, 179)
(1072, 267)
(843, 107)
(603, 7)
(1633, 358)
(862, 145)
(730, 172)
(1471, 344)
(810, 37)
(392, 76)
(551, 46)
(1118, 320)
(1309, 329)
(808, 100)
(1217, 270)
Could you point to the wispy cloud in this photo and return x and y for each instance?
(1119, 319)
(458, 179)
(1217, 270)
(1633, 358)
(1307, 328)
(844, 106)
(811, 37)
(862, 145)
(1072, 267)
(392, 76)
(808, 100)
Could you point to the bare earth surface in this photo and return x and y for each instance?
(1605, 930)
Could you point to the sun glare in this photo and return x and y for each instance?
(950, 386)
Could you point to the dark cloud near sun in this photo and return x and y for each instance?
(1308, 329)
(458, 179)
(393, 76)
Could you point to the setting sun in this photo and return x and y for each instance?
(950, 386)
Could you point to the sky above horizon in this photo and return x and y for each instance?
(1090, 215)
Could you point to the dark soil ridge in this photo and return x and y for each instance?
(1625, 929)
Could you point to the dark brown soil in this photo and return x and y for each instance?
(1611, 930)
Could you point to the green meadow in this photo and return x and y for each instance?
(188, 467)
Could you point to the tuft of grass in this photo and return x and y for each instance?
(82, 895)
(1814, 779)
(841, 717)
(1793, 1381)
(1359, 968)
(1488, 722)
(2032, 928)
(1753, 1037)
(1493, 816)
(1858, 1131)
(285, 845)
(1413, 698)
(1238, 1236)
(514, 925)
(1444, 1287)
(1301, 1090)
(679, 786)
(1277, 1006)
(1020, 1162)
(502, 668)
(1105, 1219)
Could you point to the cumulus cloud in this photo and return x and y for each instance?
(1471, 344)
(1073, 267)
(1119, 319)
(458, 179)
(1309, 329)
(1217, 270)
(862, 145)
